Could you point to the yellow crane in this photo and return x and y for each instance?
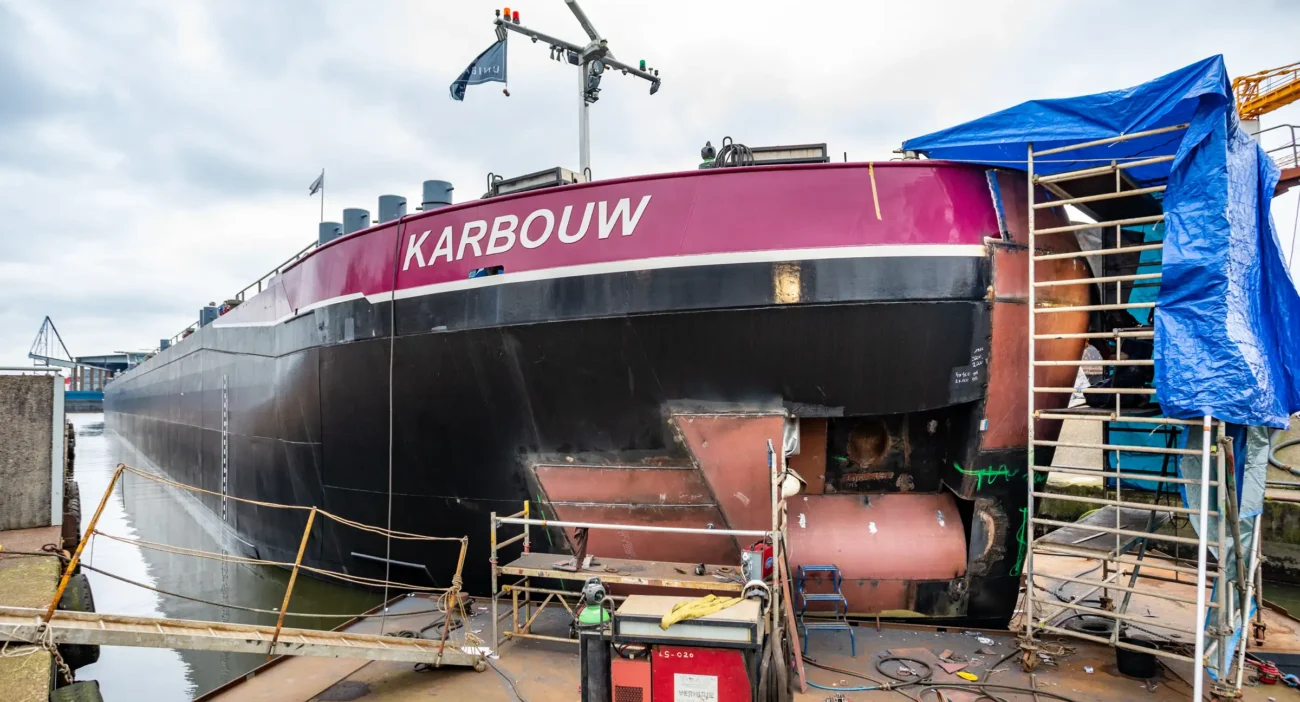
(1261, 93)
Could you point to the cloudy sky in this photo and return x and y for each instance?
(155, 154)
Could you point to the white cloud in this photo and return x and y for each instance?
(156, 154)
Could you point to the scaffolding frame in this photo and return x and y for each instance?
(1046, 192)
(640, 573)
(648, 573)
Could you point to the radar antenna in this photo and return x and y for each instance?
(592, 59)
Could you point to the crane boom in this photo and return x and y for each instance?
(1260, 93)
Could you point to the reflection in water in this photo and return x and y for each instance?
(1286, 595)
(149, 511)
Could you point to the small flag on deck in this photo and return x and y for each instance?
(489, 66)
(317, 184)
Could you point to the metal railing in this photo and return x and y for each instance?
(569, 600)
(460, 649)
(1124, 265)
(1286, 154)
(260, 282)
(257, 286)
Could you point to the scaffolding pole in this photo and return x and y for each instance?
(1116, 534)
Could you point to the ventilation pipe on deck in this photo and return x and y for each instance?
(355, 219)
(329, 231)
(437, 193)
(391, 207)
(208, 314)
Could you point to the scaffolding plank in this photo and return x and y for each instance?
(1100, 170)
(20, 624)
(625, 572)
(1141, 334)
(1058, 550)
(1087, 539)
(1100, 252)
(1150, 219)
(1108, 140)
(1136, 506)
(1121, 531)
(1132, 475)
(1098, 197)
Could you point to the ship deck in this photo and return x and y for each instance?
(547, 671)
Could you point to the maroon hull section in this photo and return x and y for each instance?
(883, 545)
(631, 484)
(665, 221)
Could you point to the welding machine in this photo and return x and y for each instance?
(592, 624)
(713, 658)
(756, 561)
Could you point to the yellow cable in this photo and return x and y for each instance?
(695, 609)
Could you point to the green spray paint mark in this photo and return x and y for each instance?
(1020, 539)
(991, 474)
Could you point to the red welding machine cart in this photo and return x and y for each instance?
(710, 659)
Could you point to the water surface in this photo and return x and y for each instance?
(142, 509)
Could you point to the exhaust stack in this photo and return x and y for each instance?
(391, 207)
(355, 219)
(437, 193)
(329, 231)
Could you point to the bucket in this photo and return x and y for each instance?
(1136, 664)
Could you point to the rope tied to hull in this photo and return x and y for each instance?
(449, 601)
(42, 641)
(401, 535)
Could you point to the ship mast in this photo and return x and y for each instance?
(591, 59)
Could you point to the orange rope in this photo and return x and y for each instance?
(341, 520)
(243, 560)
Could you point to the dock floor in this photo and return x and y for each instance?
(27, 581)
(547, 671)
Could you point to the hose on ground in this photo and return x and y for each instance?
(911, 664)
(514, 690)
(1276, 446)
(773, 670)
(878, 684)
(982, 690)
(843, 689)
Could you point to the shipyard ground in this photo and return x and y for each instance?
(547, 671)
(27, 581)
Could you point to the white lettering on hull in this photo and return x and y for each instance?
(413, 250)
(565, 236)
(480, 227)
(443, 248)
(546, 233)
(535, 231)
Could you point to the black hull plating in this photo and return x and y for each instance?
(486, 378)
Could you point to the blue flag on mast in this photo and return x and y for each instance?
(489, 66)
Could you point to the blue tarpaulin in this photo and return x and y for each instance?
(1227, 319)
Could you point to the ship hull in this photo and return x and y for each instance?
(581, 393)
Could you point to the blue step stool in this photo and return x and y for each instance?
(839, 605)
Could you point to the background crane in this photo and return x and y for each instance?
(1261, 93)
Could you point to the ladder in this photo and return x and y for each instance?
(22, 625)
(835, 598)
(1126, 268)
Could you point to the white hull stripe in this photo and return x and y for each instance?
(643, 264)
